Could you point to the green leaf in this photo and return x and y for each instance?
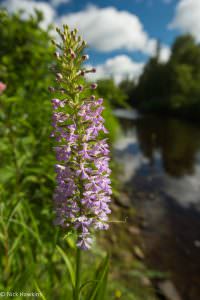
(16, 243)
(68, 264)
(2, 237)
(86, 283)
(39, 291)
(28, 229)
(98, 291)
(69, 238)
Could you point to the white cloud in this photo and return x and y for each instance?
(29, 6)
(108, 29)
(118, 68)
(165, 53)
(59, 2)
(187, 18)
(122, 66)
(105, 29)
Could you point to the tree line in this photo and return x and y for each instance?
(171, 88)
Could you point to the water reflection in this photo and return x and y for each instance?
(165, 153)
(177, 142)
(161, 159)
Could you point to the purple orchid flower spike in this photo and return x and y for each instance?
(83, 189)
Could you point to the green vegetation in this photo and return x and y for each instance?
(34, 256)
(109, 90)
(29, 259)
(172, 87)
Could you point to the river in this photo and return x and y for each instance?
(161, 161)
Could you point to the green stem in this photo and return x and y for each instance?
(78, 269)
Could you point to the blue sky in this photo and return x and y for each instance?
(155, 16)
(122, 34)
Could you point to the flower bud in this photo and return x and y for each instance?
(66, 27)
(73, 55)
(59, 76)
(62, 90)
(93, 86)
(57, 54)
(85, 57)
(82, 73)
(63, 37)
(93, 70)
(80, 88)
(51, 89)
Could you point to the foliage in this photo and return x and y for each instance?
(28, 238)
(172, 87)
(26, 168)
(110, 91)
(127, 86)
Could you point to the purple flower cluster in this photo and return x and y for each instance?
(83, 190)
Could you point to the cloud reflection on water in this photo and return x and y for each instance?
(168, 155)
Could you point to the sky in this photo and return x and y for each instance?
(122, 34)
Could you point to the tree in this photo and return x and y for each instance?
(185, 73)
(153, 86)
(128, 87)
(110, 91)
(172, 87)
(186, 51)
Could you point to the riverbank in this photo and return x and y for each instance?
(129, 278)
